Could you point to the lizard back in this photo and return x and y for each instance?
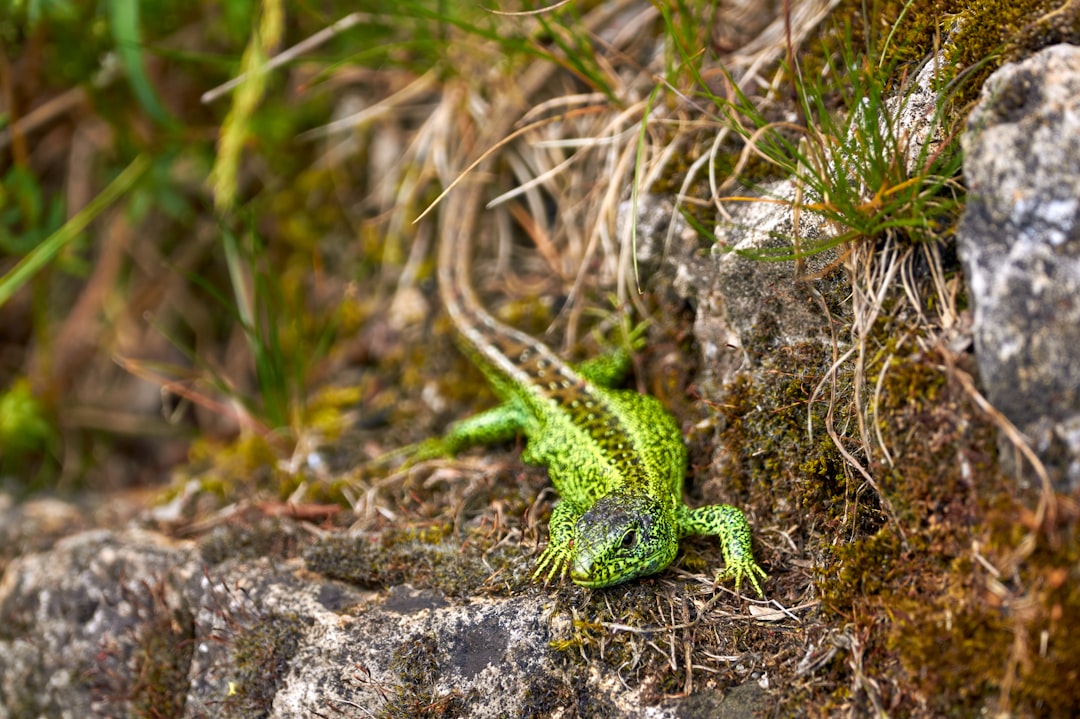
(561, 407)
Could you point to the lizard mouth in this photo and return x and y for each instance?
(581, 572)
(583, 580)
(584, 573)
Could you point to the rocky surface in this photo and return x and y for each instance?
(114, 624)
(1020, 244)
(747, 306)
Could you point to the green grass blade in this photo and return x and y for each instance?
(40, 256)
(124, 24)
(249, 93)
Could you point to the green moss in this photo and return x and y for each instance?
(161, 663)
(1006, 30)
(1005, 642)
(903, 31)
(960, 639)
(239, 540)
(417, 696)
(566, 691)
(420, 556)
(230, 470)
(957, 654)
(261, 652)
(987, 33)
(860, 569)
(764, 430)
(327, 412)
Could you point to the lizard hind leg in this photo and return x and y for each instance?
(493, 426)
(611, 368)
(498, 424)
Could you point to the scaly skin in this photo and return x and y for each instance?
(616, 457)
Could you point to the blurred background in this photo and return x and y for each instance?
(180, 242)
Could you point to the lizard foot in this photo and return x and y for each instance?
(554, 559)
(746, 569)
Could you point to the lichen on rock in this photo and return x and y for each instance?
(1020, 245)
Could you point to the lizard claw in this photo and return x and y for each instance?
(553, 559)
(746, 569)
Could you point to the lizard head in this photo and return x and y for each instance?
(620, 538)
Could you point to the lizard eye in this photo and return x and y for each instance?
(629, 539)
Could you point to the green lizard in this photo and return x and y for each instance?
(615, 456)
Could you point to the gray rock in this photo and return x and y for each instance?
(1020, 245)
(34, 525)
(113, 624)
(78, 618)
(748, 302)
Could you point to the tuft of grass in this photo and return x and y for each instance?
(851, 161)
(285, 338)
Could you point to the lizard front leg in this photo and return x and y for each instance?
(557, 556)
(730, 525)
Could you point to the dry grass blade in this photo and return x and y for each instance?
(417, 88)
(1047, 508)
(292, 53)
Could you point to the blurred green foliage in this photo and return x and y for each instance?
(203, 243)
(26, 429)
(27, 215)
